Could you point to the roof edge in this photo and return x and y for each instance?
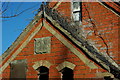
(91, 50)
(21, 36)
(110, 8)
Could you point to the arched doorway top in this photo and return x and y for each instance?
(65, 64)
(41, 63)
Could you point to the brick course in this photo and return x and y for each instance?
(106, 26)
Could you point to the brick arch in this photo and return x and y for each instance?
(41, 63)
(65, 64)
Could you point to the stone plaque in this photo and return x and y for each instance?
(42, 45)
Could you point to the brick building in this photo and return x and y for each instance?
(67, 40)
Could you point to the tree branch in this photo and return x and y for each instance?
(17, 13)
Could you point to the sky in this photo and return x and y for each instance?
(12, 27)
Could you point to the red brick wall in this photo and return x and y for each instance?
(105, 23)
(106, 27)
(104, 34)
(64, 8)
(59, 53)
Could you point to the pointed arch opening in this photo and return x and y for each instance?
(43, 73)
(66, 68)
(67, 74)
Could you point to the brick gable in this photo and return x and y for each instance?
(100, 27)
